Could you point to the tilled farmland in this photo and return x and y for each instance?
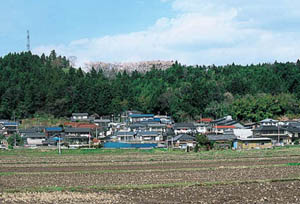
(258, 176)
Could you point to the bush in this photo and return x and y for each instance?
(15, 140)
(202, 141)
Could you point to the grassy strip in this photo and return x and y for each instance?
(143, 186)
(143, 171)
(69, 152)
(288, 150)
(293, 164)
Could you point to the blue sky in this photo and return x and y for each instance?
(190, 31)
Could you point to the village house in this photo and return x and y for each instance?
(164, 119)
(220, 129)
(103, 123)
(34, 139)
(134, 118)
(126, 136)
(77, 135)
(9, 128)
(182, 141)
(202, 128)
(227, 121)
(138, 127)
(76, 117)
(252, 143)
(184, 128)
(149, 136)
(157, 127)
(279, 132)
(223, 140)
(52, 131)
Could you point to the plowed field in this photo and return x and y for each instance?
(153, 176)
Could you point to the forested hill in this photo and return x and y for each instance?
(30, 84)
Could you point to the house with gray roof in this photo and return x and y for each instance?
(34, 138)
(77, 132)
(125, 136)
(79, 117)
(182, 141)
(184, 128)
(227, 121)
(149, 136)
(276, 133)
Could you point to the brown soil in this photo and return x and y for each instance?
(135, 174)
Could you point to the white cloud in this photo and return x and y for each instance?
(203, 32)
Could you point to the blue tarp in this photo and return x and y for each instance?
(119, 145)
(56, 139)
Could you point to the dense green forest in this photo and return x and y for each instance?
(31, 84)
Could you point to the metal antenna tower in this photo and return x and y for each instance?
(28, 41)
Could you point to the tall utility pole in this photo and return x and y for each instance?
(278, 139)
(59, 148)
(28, 41)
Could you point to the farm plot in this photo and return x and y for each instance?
(151, 177)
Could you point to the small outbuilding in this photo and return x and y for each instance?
(252, 143)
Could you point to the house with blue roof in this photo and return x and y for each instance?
(52, 131)
(10, 128)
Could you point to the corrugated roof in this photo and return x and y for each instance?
(255, 139)
(53, 129)
(35, 135)
(183, 125)
(221, 137)
(224, 127)
(80, 130)
(141, 115)
(183, 137)
(125, 133)
(80, 114)
(10, 124)
(148, 133)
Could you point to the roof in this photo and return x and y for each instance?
(148, 133)
(141, 115)
(268, 120)
(80, 114)
(53, 129)
(35, 135)
(31, 130)
(137, 125)
(255, 139)
(207, 120)
(224, 127)
(10, 124)
(91, 126)
(183, 137)
(102, 121)
(156, 125)
(273, 128)
(125, 133)
(77, 130)
(293, 129)
(221, 137)
(184, 125)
